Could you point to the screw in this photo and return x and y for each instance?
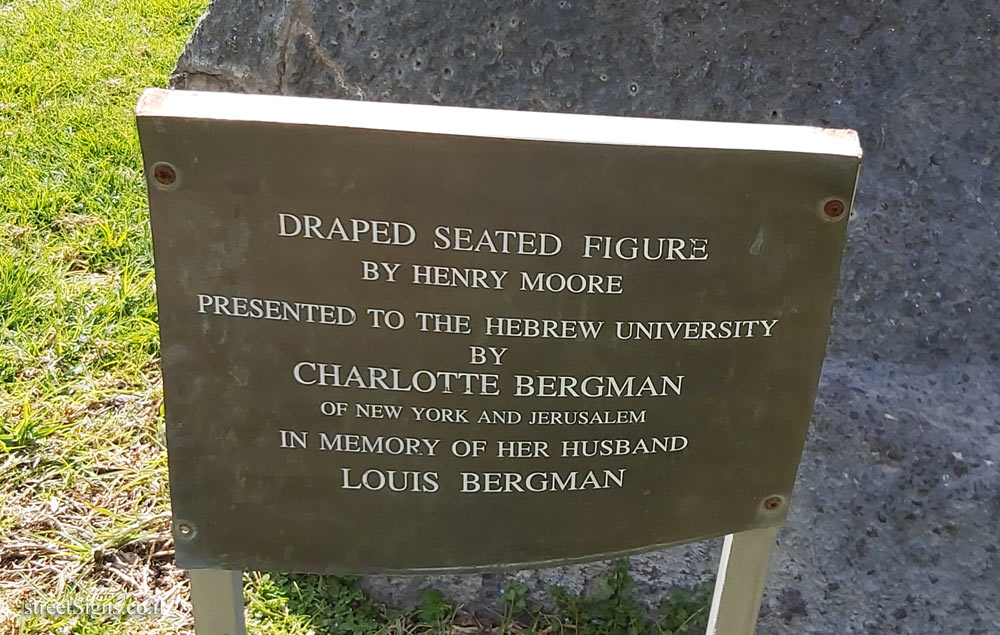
(164, 174)
(834, 209)
(772, 503)
(184, 529)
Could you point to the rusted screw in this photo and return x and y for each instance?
(834, 209)
(772, 503)
(164, 174)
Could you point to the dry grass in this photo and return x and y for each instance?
(86, 514)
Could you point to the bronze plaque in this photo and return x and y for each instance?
(407, 338)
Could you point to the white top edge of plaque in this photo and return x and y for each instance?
(501, 124)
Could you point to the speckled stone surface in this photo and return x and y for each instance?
(894, 525)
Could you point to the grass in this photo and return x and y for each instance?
(84, 506)
(83, 486)
(301, 605)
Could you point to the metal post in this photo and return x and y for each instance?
(217, 602)
(739, 586)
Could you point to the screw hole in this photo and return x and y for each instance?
(184, 529)
(772, 503)
(834, 209)
(164, 174)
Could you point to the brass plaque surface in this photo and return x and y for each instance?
(404, 338)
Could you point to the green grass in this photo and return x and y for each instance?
(84, 506)
(83, 487)
(77, 311)
(300, 605)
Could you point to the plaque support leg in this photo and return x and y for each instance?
(217, 602)
(739, 587)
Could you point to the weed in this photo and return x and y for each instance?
(434, 610)
(515, 600)
(614, 609)
(297, 605)
(685, 611)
